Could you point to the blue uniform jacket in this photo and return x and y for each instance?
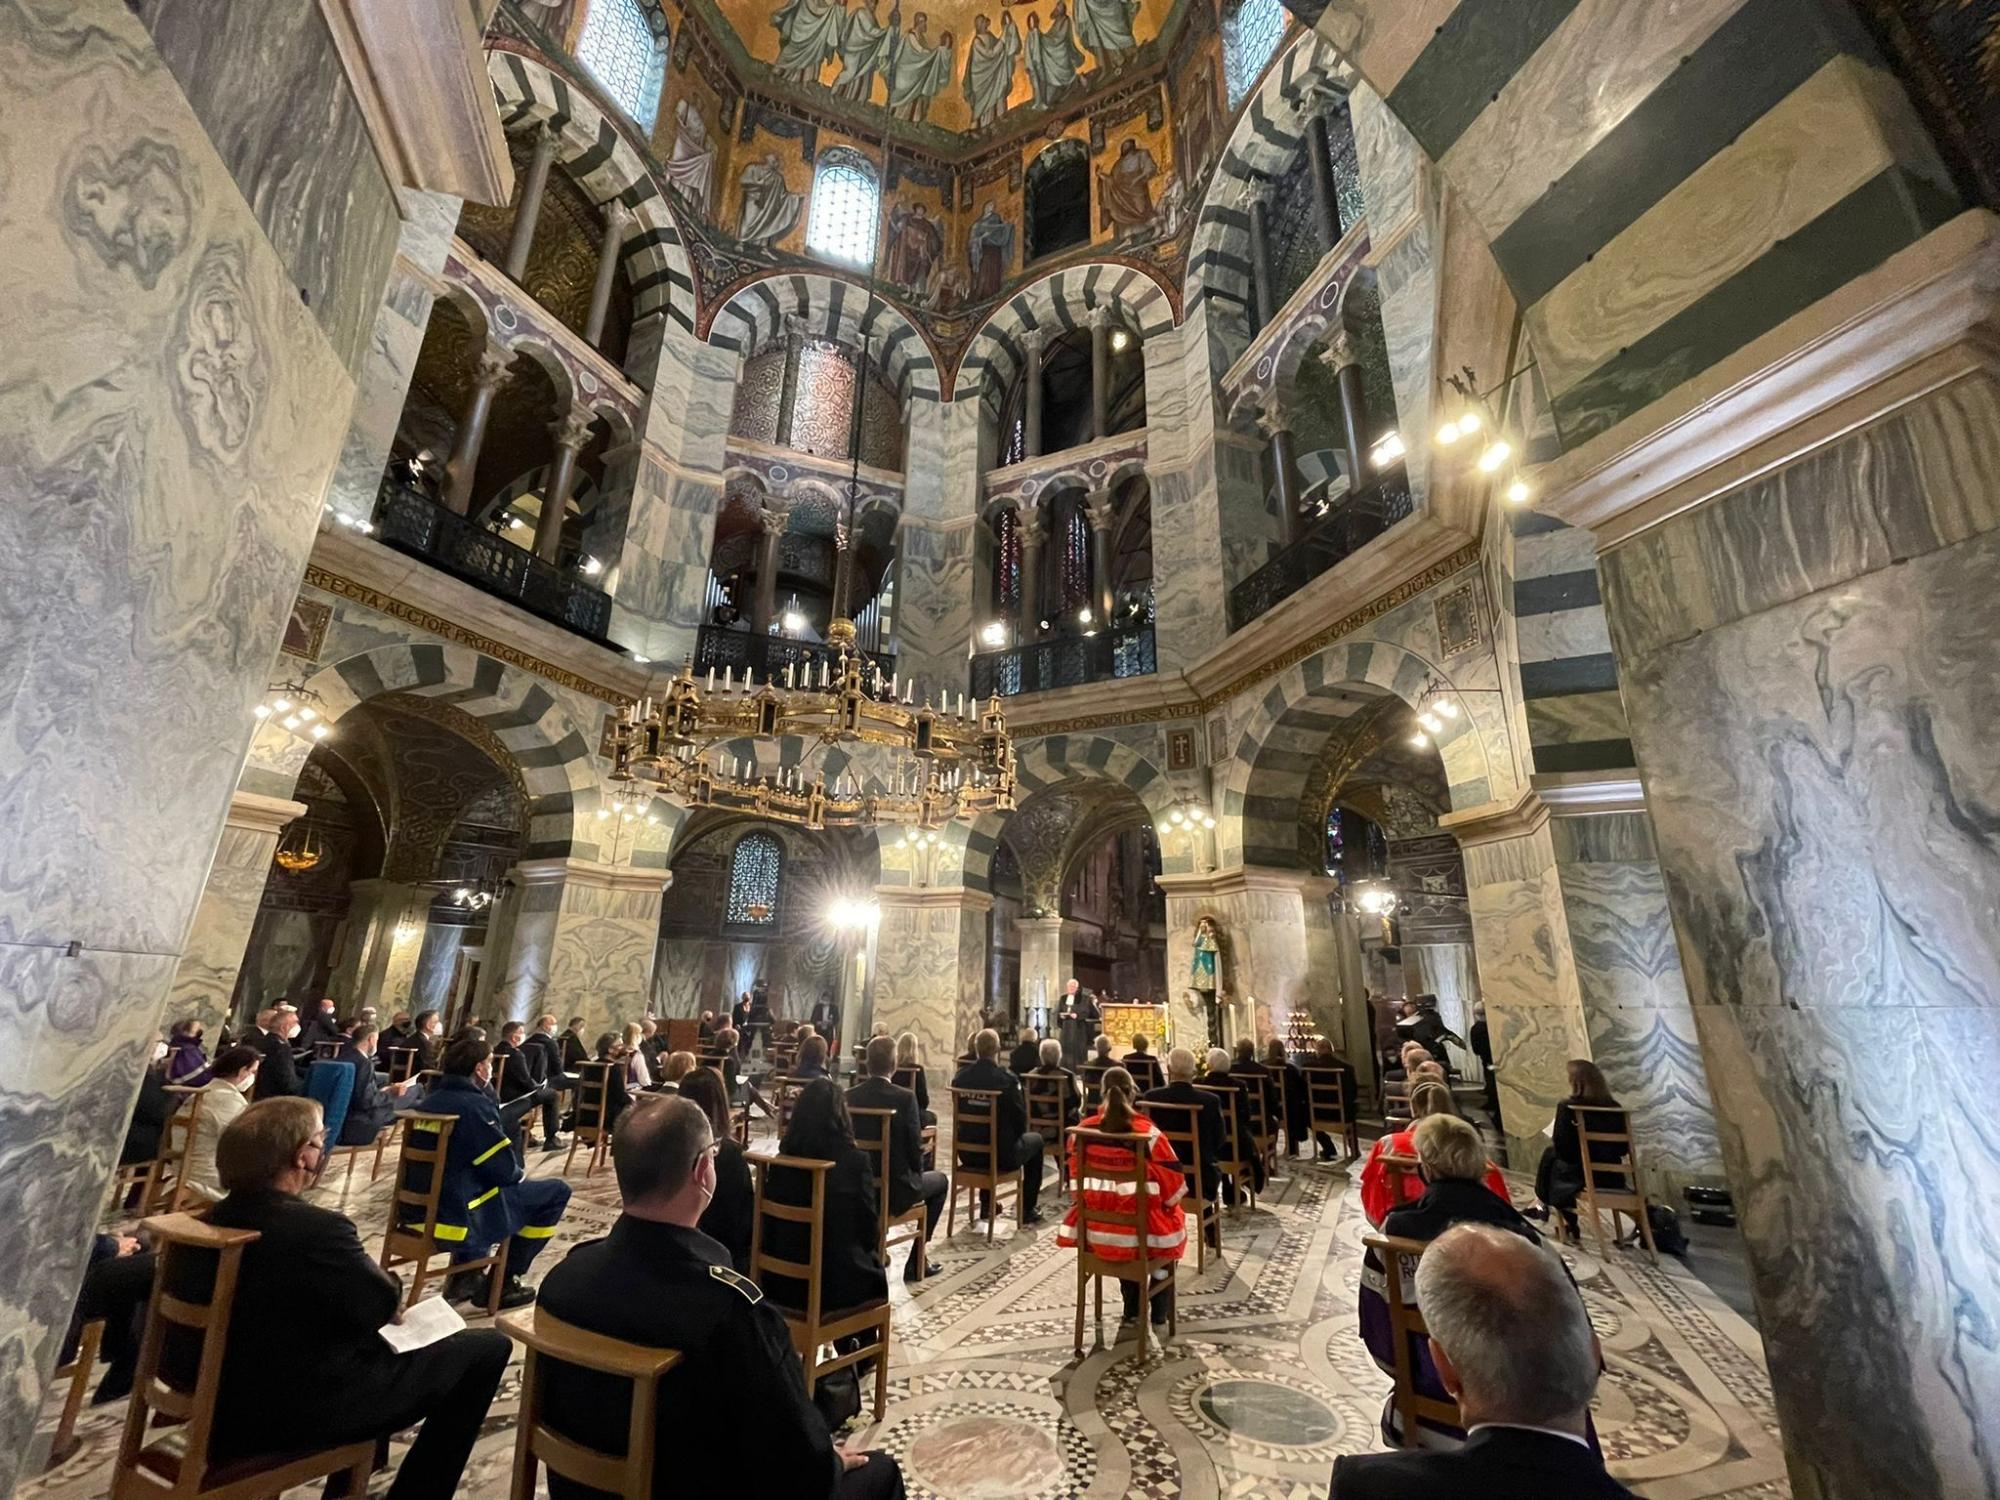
(479, 1161)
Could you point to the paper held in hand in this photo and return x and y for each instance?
(423, 1325)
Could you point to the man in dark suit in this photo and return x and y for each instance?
(659, 1281)
(908, 1182)
(1180, 1089)
(572, 1046)
(1255, 1077)
(278, 1073)
(1238, 1102)
(265, 1159)
(373, 1104)
(1513, 1343)
(321, 1026)
(545, 1053)
(396, 1034)
(825, 1019)
(1017, 1145)
(1076, 1018)
(1027, 1053)
(524, 1083)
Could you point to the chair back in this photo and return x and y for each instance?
(1408, 1330)
(1091, 1075)
(1281, 1080)
(784, 1093)
(1615, 1184)
(1396, 1096)
(403, 1062)
(550, 1341)
(593, 1100)
(871, 1133)
(326, 1049)
(683, 1033)
(1181, 1125)
(1046, 1098)
(763, 1264)
(419, 1177)
(1256, 1114)
(906, 1078)
(1235, 1150)
(331, 1082)
(1398, 1172)
(1115, 1158)
(177, 1240)
(1327, 1103)
(176, 1141)
(978, 1109)
(1146, 1070)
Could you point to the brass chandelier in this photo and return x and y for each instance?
(953, 760)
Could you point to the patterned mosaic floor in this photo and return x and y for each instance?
(1265, 1384)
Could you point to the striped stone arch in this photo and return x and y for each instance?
(831, 308)
(1264, 143)
(607, 167)
(1056, 304)
(1279, 745)
(551, 751)
(1595, 144)
(1051, 761)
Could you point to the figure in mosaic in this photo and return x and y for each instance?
(1052, 55)
(1105, 28)
(989, 246)
(808, 34)
(770, 207)
(918, 70)
(1125, 192)
(864, 51)
(989, 69)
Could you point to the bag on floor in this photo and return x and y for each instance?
(1666, 1227)
(837, 1395)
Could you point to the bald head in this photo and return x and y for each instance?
(1180, 1065)
(1508, 1330)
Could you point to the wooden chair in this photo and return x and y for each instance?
(178, 1467)
(1259, 1116)
(1614, 1187)
(151, 1178)
(1047, 1099)
(683, 1033)
(1396, 1097)
(591, 1124)
(77, 1373)
(546, 1337)
(871, 1134)
(1146, 1069)
(403, 1062)
(1181, 1125)
(1396, 1171)
(1237, 1159)
(1092, 1267)
(982, 1172)
(413, 1241)
(324, 1050)
(379, 1145)
(1408, 1330)
(783, 1093)
(814, 1326)
(1091, 1076)
(1330, 1111)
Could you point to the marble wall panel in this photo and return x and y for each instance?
(1188, 583)
(1449, 971)
(601, 953)
(386, 918)
(1045, 965)
(1395, 187)
(678, 969)
(169, 414)
(408, 942)
(930, 967)
(663, 566)
(934, 603)
(205, 978)
(436, 966)
(1818, 761)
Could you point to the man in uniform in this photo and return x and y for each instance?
(659, 1281)
(486, 1197)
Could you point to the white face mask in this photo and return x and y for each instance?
(247, 1082)
(159, 1051)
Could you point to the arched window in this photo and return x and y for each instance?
(1251, 31)
(754, 866)
(846, 202)
(1057, 198)
(624, 44)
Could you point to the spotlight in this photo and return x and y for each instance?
(1083, 617)
(590, 567)
(994, 635)
(1388, 448)
(1431, 722)
(262, 710)
(1208, 820)
(308, 715)
(320, 731)
(1497, 453)
(1518, 492)
(515, 523)
(290, 721)
(1447, 434)
(1120, 340)
(1420, 739)
(1446, 707)
(793, 622)
(282, 705)
(1468, 423)
(641, 660)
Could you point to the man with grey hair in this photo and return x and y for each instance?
(1237, 1104)
(1180, 1089)
(1512, 1342)
(1050, 1065)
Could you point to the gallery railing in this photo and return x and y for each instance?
(1351, 525)
(1065, 661)
(727, 648)
(412, 522)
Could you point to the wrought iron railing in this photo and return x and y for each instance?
(1346, 529)
(412, 522)
(725, 648)
(1065, 661)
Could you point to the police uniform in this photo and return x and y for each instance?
(485, 1198)
(733, 1411)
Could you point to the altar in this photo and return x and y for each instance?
(1121, 1021)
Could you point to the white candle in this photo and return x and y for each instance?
(729, 679)
(711, 679)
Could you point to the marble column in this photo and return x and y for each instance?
(764, 606)
(1048, 959)
(487, 378)
(1100, 371)
(570, 433)
(1280, 951)
(1275, 424)
(1341, 357)
(1101, 509)
(534, 187)
(1031, 532)
(205, 978)
(1326, 198)
(930, 967)
(1263, 307)
(617, 218)
(385, 933)
(788, 384)
(581, 941)
(1527, 965)
(1032, 344)
(170, 414)
(1807, 662)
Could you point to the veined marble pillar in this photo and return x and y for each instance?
(1275, 424)
(1100, 371)
(487, 378)
(764, 608)
(1280, 952)
(1048, 959)
(1527, 964)
(617, 217)
(1326, 199)
(1807, 663)
(1262, 305)
(534, 187)
(1102, 510)
(580, 939)
(385, 934)
(205, 979)
(930, 966)
(1032, 343)
(570, 433)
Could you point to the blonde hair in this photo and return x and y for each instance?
(633, 1031)
(1449, 1147)
(1428, 1099)
(907, 1053)
(678, 1066)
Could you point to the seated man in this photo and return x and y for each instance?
(1512, 1342)
(1051, 1067)
(1027, 1053)
(657, 1280)
(117, 1284)
(909, 1183)
(1244, 1065)
(523, 1086)
(572, 1045)
(266, 1158)
(1017, 1145)
(1180, 1089)
(396, 1034)
(1325, 1057)
(1220, 1077)
(1141, 1064)
(812, 1058)
(278, 1074)
(542, 1039)
(485, 1198)
(373, 1104)
(1298, 1114)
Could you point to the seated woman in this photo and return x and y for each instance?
(616, 1096)
(727, 1219)
(225, 1096)
(1559, 1176)
(1452, 1161)
(1427, 1098)
(1166, 1222)
(674, 1069)
(910, 1074)
(638, 1075)
(187, 1062)
(849, 1271)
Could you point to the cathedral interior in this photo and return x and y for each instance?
(1468, 498)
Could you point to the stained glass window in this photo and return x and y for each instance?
(1251, 31)
(754, 865)
(845, 205)
(1007, 562)
(1075, 555)
(823, 401)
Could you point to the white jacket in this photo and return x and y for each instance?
(221, 1102)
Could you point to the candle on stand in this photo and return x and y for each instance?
(711, 679)
(729, 679)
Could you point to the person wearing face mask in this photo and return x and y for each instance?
(149, 1111)
(373, 1104)
(278, 1074)
(223, 1098)
(485, 1197)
